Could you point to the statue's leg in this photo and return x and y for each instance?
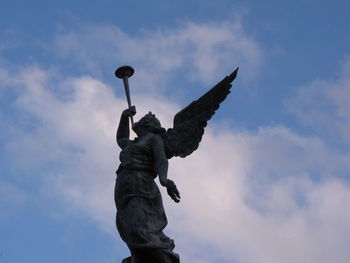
(127, 260)
(167, 256)
(154, 255)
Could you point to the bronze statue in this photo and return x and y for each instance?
(140, 213)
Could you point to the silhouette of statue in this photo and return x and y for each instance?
(140, 213)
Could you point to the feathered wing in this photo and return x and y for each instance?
(189, 123)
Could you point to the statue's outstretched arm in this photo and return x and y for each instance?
(161, 166)
(123, 132)
(160, 160)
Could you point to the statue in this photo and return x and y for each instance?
(140, 213)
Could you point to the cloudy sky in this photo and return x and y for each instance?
(270, 181)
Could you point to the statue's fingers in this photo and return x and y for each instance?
(176, 199)
(171, 193)
(177, 193)
(177, 196)
(131, 111)
(173, 196)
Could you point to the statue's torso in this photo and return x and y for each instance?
(137, 155)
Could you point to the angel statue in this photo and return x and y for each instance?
(140, 212)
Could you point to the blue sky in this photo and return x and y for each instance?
(270, 181)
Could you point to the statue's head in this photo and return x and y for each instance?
(148, 122)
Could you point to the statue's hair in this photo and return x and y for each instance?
(151, 123)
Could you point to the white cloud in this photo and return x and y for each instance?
(252, 205)
(266, 196)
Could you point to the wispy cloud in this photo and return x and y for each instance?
(324, 104)
(200, 52)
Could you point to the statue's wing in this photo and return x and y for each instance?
(189, 123)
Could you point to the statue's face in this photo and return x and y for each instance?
(148, 122)
(137, 126)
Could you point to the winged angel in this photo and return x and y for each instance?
(140, 213)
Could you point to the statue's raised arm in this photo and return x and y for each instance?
(189, 123)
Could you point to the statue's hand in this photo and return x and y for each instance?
(130, 111)
(172, 190)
